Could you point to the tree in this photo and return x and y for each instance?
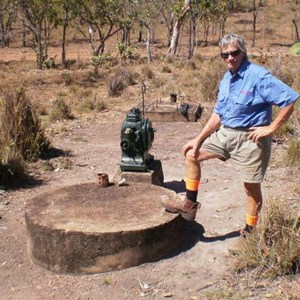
(166, 12)
(204, 11)
(147, 12)
(66, 10)
(295, 21)
(100, 17)
(181, 10)
(8, 13)
(39, 15)
(256, 4)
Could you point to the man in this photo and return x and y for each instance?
(239, 129)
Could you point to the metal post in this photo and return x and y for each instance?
(143, 87)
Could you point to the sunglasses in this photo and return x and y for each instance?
(232, 53)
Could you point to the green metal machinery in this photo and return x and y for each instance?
(137, 135)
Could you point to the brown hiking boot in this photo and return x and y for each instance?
(186, 207)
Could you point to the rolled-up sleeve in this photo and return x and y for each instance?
(276, 92)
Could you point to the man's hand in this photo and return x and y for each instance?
(256, 133)
(194, 145)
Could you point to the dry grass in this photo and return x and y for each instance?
(274, 247)
(60, 111)
(293, 152)
(21, 138)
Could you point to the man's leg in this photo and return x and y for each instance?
(254, 204)
(188, 207)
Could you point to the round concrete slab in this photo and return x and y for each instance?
(91, 229)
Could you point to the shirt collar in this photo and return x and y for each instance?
(241, 70)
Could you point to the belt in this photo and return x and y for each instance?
(236, 128)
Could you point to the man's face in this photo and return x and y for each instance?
(234, 59)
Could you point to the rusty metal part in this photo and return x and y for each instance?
(173, 97)
(102, 179)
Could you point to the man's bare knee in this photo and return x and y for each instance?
(252, 188)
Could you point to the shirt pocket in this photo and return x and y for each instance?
(243, 103)
(220, 107)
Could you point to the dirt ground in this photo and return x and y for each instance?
(201, 268)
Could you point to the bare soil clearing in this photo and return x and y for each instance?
(201, 265)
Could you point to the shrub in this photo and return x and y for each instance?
(166, 69)
(21, 138)
(285, 130)
(293, 152)
(126, 52)
(209, 79)
(101, 60)
(13, 170)
(49, 63)
(67, 78)
(21, 128)
(92, 103)
(146, 71)
(119, 81)
(60, 111)
(274, 247)
(278, 68)
(116, 87)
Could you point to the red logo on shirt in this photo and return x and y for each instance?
(245, 92)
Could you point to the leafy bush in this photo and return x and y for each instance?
(100, 60)
(126, 52)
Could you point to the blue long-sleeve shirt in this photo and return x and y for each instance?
(245, 99)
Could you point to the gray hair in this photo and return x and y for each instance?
(233, 39)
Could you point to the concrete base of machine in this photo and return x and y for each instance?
(166, 111)
(90, 229)
(154, 175)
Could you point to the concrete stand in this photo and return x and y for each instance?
(89, 229)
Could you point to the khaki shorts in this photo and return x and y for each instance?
(251, 159)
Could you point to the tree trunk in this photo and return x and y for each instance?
(177, 29)
(149, 57)
(64, 34)
(40, 52)
(222, 27)
(255, 13)
(6, 29)
(126, 34)
(296, 29)
(140, 36)
(192, 36)
(206, 32)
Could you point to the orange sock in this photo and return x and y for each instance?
(192, 187)
(251, 220)
(192, 184)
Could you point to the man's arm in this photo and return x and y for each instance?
(213, 123)
(283, 115)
